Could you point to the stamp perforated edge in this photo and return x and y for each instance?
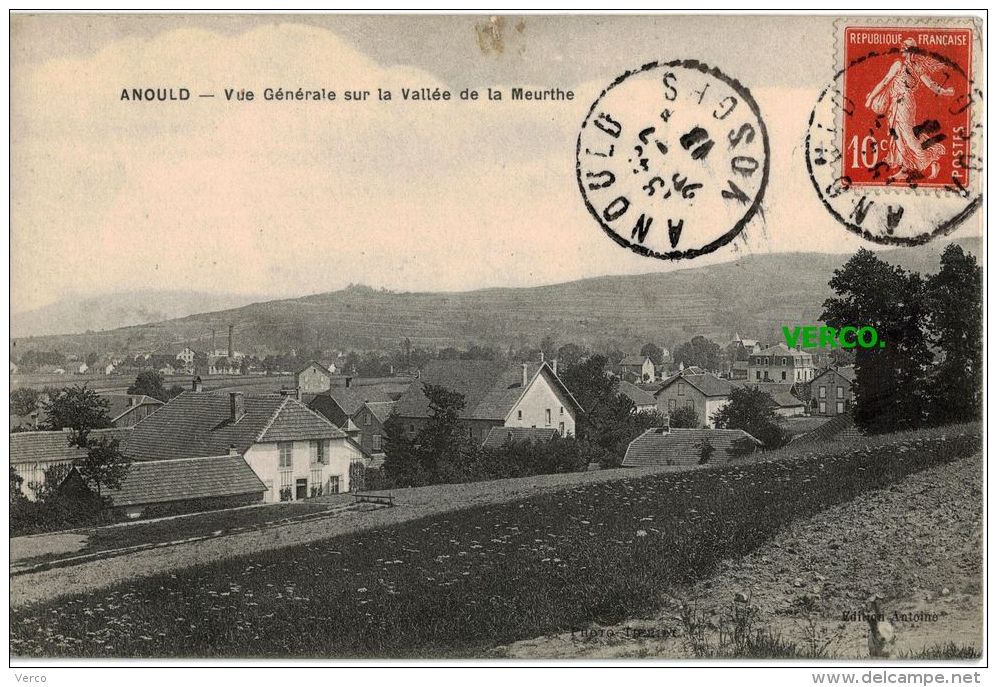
(975, 67)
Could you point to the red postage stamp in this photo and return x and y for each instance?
(906, 106)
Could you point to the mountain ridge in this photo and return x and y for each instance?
(754, 296)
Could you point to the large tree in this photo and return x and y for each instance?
(684, 417)
(150, 383)
(23, 401)
(103, 466)
(890, 380)
(654, 352)
(955, 318)
(78, 408)
(751, 410)
(700, 352)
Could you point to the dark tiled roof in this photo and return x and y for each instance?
(295, 421)
(707, 384)
(196, 424)
(160, 481)
(636, 394)
(33, 447)
(498, 436)
(632, 360)
(681, 447)
(381, 410)
(847, 372)
(310, 363)
(490, 388)
(838, 427)
(120, 404)
(339, 403)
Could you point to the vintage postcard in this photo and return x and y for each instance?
(648, 338)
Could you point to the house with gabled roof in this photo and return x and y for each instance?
(32, 453)
(340, 403)
(313, 378)
(637, 368)
(704, 393)
(780, 363)
(831, 391)
(682, 449)
(296, 452)
(369, 421)
(643, 401)
(496, 394)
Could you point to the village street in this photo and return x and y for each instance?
(410, 504)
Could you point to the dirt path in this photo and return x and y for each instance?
(411, 504)
(917, 543)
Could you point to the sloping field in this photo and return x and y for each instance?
(460, 583)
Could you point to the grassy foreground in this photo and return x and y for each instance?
(460, 583)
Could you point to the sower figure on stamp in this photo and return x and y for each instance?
(913, 147)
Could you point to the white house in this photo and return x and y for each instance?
(295, 452)
(703, 393)
(496, 394)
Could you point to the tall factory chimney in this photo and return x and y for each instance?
(231, 347)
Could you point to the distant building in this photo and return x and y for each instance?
(637, 368)
(340, 403)
(780, 364)
(643, 401)
(683, 448)
(369, 421)
(703, 392)
(313, 378)
(224, 365)
(496, 394)
(831, 391)
(294, 451)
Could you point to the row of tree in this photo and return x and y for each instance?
(930, 367)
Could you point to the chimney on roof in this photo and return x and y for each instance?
(232, 451)
(526, 377)
(541, 356)
(133, 400)
(554, 367)
(197, 385)
(231, 346)
(237, 406)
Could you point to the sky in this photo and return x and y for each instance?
(292, 198)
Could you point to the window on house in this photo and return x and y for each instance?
(286, 450)
(671, 404)
(548, 417)
(376, 442)
(519, 414)
(823, 407)
(366, 419)
(839, 407)
(758, 374)
(319, 452)
(681, 389)
(334, 484)
(841, 392)
(783, 375)
(560, 428)
(688, 404)
(822, 392)
(783, 361)
(411, 428)
(562, 410)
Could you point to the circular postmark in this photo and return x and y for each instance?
(673, 159)
(893, 145)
